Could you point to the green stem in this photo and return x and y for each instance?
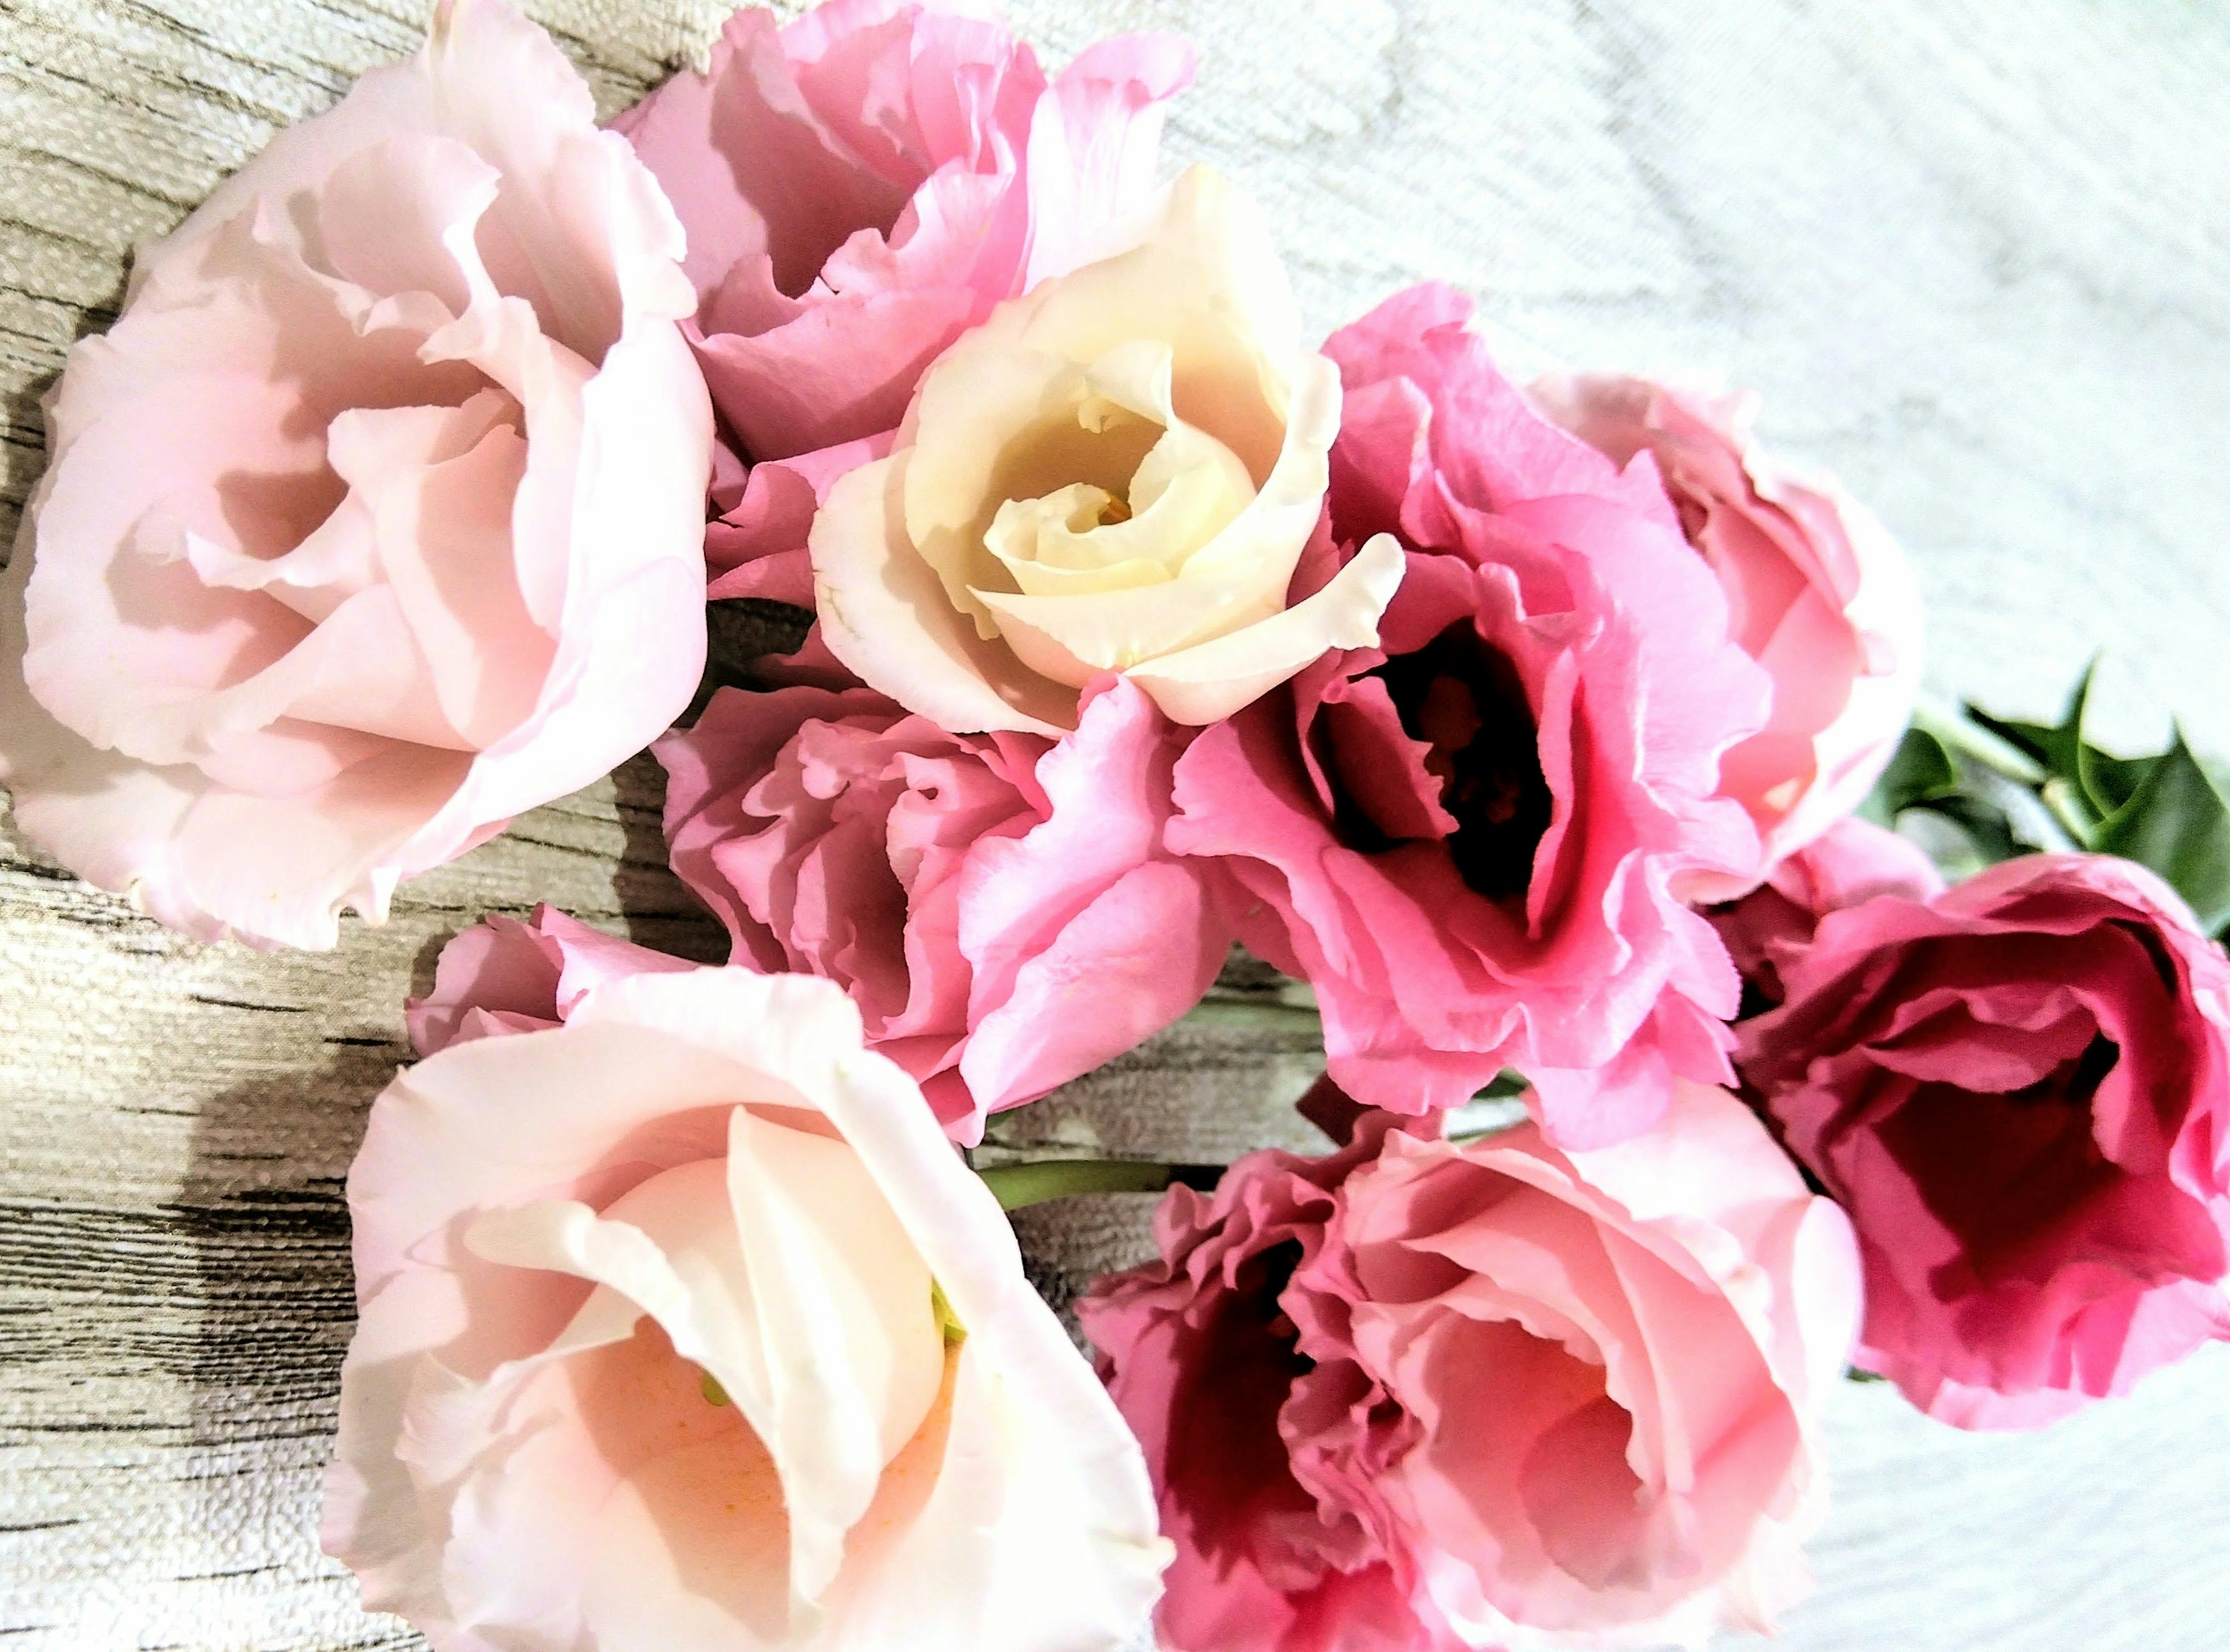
(1016, 1186)
(1972, 741)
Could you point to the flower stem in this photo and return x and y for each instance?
(1973, 741)
(1017, 1186)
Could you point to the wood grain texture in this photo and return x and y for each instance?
(1976, 254)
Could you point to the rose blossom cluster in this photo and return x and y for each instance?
(1526, 726)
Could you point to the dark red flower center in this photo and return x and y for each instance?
(1464, 701)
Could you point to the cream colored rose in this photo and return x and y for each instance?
(683, 1329)
(1116, 472)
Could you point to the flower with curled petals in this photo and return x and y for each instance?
(863, 183)
(376, 518)
(683, 1327)
(999, 906)
(1417, 1396)
(1117, 472)
(1820, 595)
(1472, 838)
(2019, 1089)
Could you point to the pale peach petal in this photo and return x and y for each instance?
(1207, 682)
(883, 610)
(563, 1235)
(1111, 473)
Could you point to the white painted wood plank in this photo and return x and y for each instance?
(1978, 256)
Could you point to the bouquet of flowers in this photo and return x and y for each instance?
(1026, 614)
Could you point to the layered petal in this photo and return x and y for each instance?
(1821, 596)
(650, 1345)
(375, 518)
(1116, 473)
(2017, 1088)
(1415, 1394)
(1471, 838)
(969, 892)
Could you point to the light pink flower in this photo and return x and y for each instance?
(504, 976)
(376, 518)
(1847, 865)
(1414, 1397)
(1821, 596)
(2021, 1092)
(999, 906)
(1468, 839)
(864, 183)
(681, 1327)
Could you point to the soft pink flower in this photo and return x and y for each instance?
(999, 906)
(1850, 862)
(1820, 595)
(377, 516)
(504, 976)
(1468, 839)
(863, 184)
(2021, 1092)
(682, 1326)
(1419, 1396)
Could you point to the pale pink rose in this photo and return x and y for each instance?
(377, 518)
(504, 976)
(1820, 595)
(864, 183)
(1414, 1397)
(682, 1328)
(1847, 865)
(1116, 473)
(999, 906)
(2019, 1089)
(1468, 838)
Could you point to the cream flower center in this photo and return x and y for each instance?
(1182, 490)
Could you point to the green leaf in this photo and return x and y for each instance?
(2092, 783)
(2032, 740)
(2177, 823)
(1921, 769)
(2110, 781)
(1986, 826)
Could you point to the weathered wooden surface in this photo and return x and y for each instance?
(1977, 254)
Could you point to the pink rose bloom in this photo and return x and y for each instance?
(1419, 1396)
(1821, 596)
(2021, 1092)
(682, 1328)
(1468, 839)
(1847, 865)
(862, 185)
(504, 976)
(999, 906)
(377, 516)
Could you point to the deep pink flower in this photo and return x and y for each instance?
(1821, 596)
(1852, 861)
(504, 976)
(1471, 839)
(1413, 1397)
(864, 183)
(998, 905)
(2021, 1092)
